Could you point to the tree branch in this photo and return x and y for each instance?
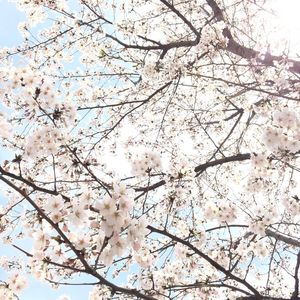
(183, 18)
(200, 169)
(207, 258)
(234, 47)
(296, 290)
(282, 237)
(88, 269)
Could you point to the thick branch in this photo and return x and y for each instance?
(282, 237)
(296, 290)
(245, 52)
(200, 169)
(239, 157)
(164, 47)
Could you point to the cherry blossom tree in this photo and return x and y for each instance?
(157, 139)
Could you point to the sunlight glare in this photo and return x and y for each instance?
(287, 18)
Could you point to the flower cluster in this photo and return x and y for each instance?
(56, 206)
(31, 90)
(144, 257)
(34, 95)
(16, 283)
(256, 183)
(259, 161)
(221, 211)
(246, 248)
(5, 127)
(43, 142)
(212, 35)
(292, 205)
(264, 217)
(258, 227)
(66, 113)
(6, 293)
(284, 134)
(146, 162)
(181, 168)
(115, 211)
(286, 119)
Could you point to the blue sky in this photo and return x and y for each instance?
(9, 36)
(9, 19)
